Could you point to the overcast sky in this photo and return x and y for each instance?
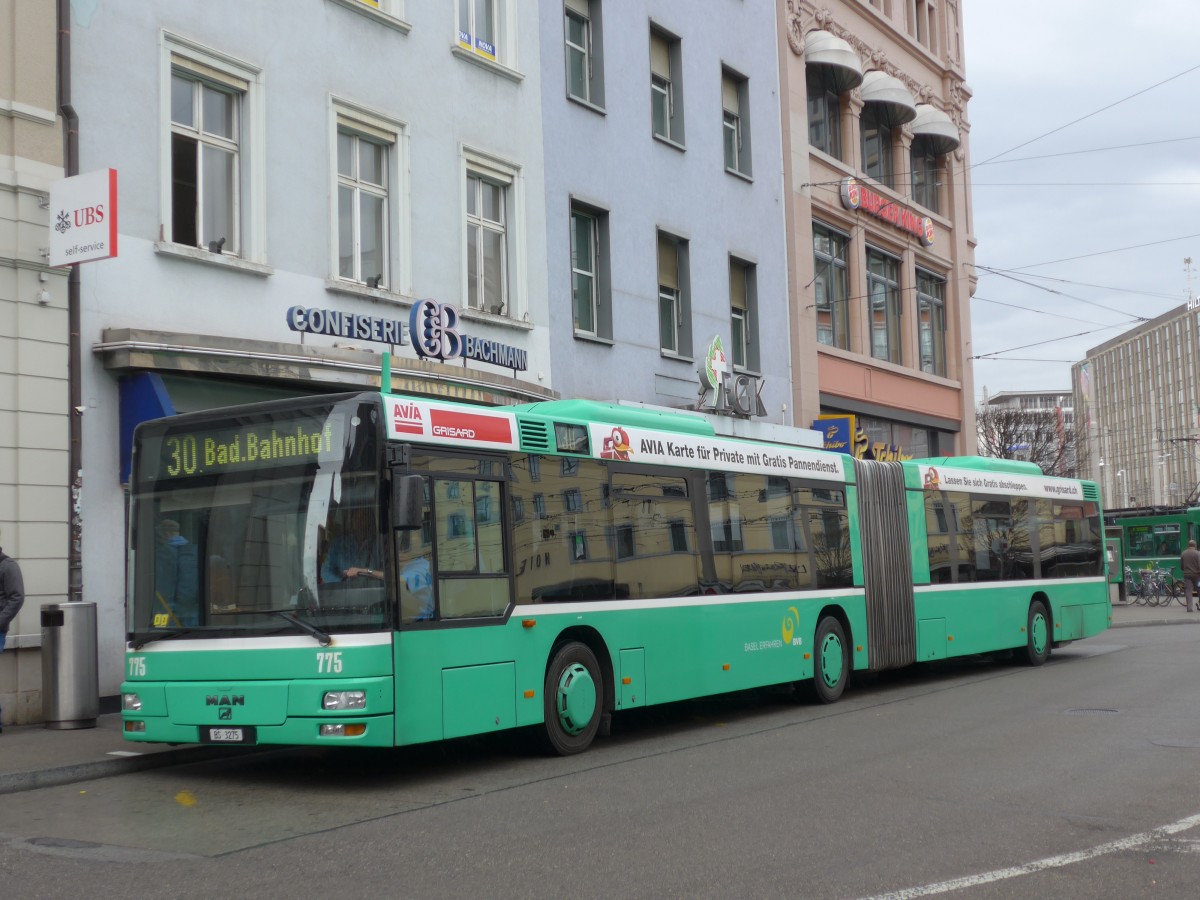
(1060, 222)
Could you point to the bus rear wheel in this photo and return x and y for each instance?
(831, 661)
(1037, 635)
(573, 694)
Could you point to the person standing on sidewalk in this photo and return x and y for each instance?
(1190, 563)
(12, 595)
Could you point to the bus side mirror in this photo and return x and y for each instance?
(408, 502)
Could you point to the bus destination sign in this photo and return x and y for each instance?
(203, 451)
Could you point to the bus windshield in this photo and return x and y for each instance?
(268, 525)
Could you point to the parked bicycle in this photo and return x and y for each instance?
(1137, 588)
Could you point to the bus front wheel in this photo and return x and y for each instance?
(831, 661)
(573, 694)
(1037, 635)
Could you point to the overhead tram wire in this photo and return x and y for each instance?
(1059, 293)
(1040, 312)
(992, 356)
(999, 162)
(1102, 287)
(1087, 116)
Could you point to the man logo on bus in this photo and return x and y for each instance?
(616, 445)
(790, 621)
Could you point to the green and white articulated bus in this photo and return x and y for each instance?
(378, 570)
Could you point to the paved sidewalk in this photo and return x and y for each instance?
(32, 756)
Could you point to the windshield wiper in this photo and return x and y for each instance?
(288, 616)
(166, 635)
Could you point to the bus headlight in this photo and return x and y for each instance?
(131, 702)
(344, 700)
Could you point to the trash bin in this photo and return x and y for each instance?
(70, 677)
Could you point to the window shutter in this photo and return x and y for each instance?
(660, 57)
(668, 263)
(729, 94)
(578, 6)
(737, 286)
(216, 76)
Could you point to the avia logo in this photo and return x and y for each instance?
(406, 417)
(225, 700)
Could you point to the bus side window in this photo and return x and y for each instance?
(472, 580)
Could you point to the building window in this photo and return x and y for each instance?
(883, 294)
(494, 267)
(585, 58)
(666, 87)
(743, 313)
(213, 168)
(578, 543)
(925, 174)
(876, 144)
(362, 198)
(591, 298)
(922, 23)
(673, 304)
(931, 322)
(478, 27)
(824, 111)
(205, 175)
(831, 287)
(487, 251)
(735, 105)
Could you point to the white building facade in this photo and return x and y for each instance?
(263, 168)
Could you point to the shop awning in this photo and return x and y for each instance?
(936, 127)
(890, 94)
(824, 49)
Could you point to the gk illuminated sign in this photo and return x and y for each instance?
(856, 195)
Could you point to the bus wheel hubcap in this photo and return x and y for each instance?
(576, 699)
(1039, 633)
(831, 660)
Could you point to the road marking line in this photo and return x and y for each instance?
(1050, 862)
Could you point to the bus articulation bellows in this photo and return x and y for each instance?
(378, 570)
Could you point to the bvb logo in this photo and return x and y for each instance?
(790, 621)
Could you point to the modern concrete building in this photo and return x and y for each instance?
(664, 212)
(1138, 407)
(34, 495)
(282, 203)
(879, 221)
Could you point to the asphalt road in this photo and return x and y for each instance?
(980, 779)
